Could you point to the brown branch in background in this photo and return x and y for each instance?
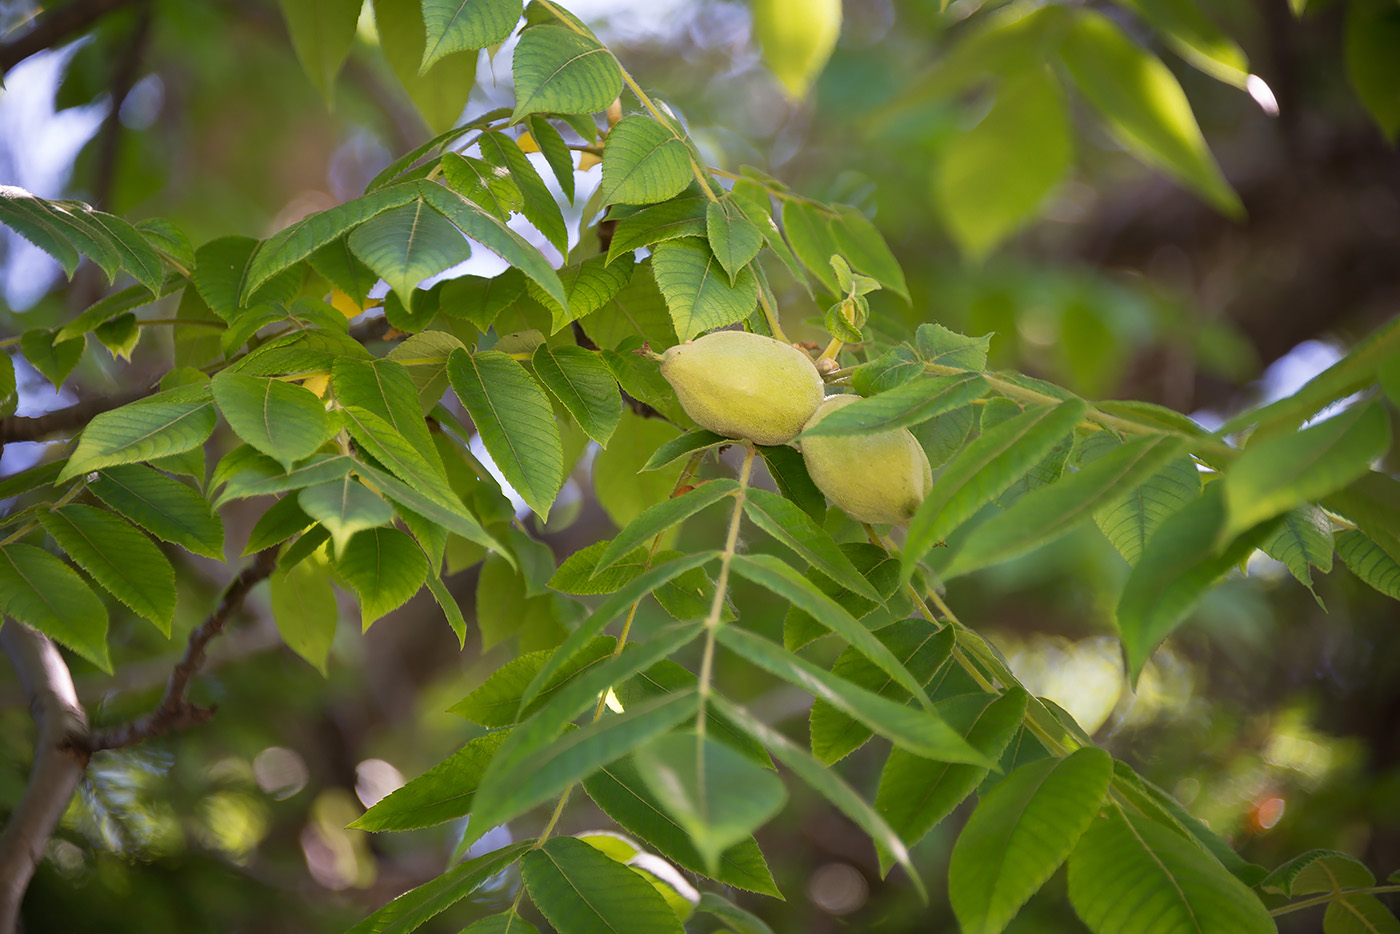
(39, 427)
(123, 80)
(175, 711)
(54, 28)
(60, 757)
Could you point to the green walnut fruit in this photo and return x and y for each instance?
(877, 478)
(743, 385)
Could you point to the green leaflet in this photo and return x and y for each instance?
(243, 472)
(1020, 833)
(283, 421)
(559, 72)
(556, 152)
(585, 386)
(919, 645)
(1318, 871)
(322, 32)
(1143, 105)
(537, 202)
(590, 284)
(441, 92)
(716, 793)
(984, 470)
(1128, 872)
(138, 432)
(734, 239)
(496, 236)
(496, 703)
(785, 521)
(39, 590)
(696, 439)
(775, 575)
(1370, 561)
(298, 241)
(385, 567)
(1196, 39)
(532, 774)
(697, 293)
(22, 213)
(505, 923)
(656, 519)
(619, 790)
(163, 506)
(442, 793)
(1371, 32)
(790, 475)
(825, 782)
(465, 25)
(515, 421)
(305, 611)
(1303, 541)
(407, 244)
(919, 731)
(1046, 513)
(125, 562)
(1130, 521)
(678, 217)
(1179, 564)
(388, 389)
(415, 907)
(609, 610)
(986, 187)
(903, 406)
(221, 271)
(1359, 914)
(345, 506)
(808, 228)
(1282, 471)
(645, 162)
(734, 917)
(915, 794)
(582, 891)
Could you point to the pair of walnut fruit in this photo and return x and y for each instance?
(748, 386)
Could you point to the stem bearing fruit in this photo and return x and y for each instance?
(743, 385)
(881, 477)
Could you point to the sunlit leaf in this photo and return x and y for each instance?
(1143, 105)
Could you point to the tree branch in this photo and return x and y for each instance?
(55, 27)
(39, 427)
(60, 757)
(175, 711)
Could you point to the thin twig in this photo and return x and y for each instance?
(175, 711)
(60, 757)
(54, 28)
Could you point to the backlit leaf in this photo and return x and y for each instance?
(1020, 834)
(125, 562)
(697, 290)
(1129, 872)
(559, 72)
(39, 590)
(515, 421)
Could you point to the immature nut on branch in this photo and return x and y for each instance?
(743, 385)
(877, 478)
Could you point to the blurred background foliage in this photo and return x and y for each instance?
(1272, 716)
